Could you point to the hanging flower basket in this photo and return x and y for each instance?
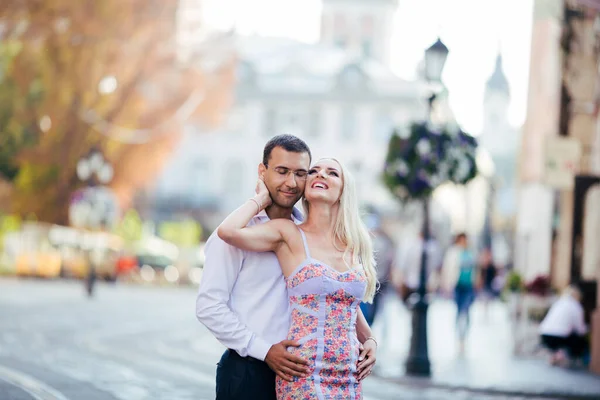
(421, 159)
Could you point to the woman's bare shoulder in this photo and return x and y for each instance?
(283, 224)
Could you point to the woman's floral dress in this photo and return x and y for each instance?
(324, 304)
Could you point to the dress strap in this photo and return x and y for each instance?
(305, 242)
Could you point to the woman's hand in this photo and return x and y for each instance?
(262, 194)
(234, 230)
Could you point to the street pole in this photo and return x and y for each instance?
(94, 171)
(418, 357)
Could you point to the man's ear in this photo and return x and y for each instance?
(261, 170)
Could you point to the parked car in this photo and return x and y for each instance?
(34, 254)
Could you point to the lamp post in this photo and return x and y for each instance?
(418, 356)
(93, 207)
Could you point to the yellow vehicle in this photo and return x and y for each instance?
(34, 255)
(49, 251)
(80, 247)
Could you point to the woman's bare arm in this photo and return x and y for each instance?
(262, 237)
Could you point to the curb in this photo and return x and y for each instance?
(426, 383)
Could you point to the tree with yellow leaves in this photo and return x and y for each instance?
(77, 74)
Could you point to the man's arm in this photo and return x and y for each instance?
(367, 358)
(221, 269)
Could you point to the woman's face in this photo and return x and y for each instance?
(325, 182)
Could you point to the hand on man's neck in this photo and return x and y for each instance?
(274, 212)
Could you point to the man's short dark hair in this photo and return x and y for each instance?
(286, 142)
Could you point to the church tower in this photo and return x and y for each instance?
(496, 101)
(501, 140)
(362, 27)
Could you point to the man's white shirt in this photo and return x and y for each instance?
(409, 260)
(242, 298)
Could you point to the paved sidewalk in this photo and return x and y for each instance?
(487, 364)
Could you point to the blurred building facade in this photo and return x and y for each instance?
(559, 196)
(339, 95)
(536, 199)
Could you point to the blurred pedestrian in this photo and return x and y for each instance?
(408, 266)
(459, 277)
(489, 273)
(563, 329)
(384, 248)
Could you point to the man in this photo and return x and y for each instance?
(563, 329)
(242, 297)
(383, 246)
(409, 266)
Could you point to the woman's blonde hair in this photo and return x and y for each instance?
(350, 230)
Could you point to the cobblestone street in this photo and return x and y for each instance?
(127, 343)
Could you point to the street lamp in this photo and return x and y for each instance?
(93, 207)
(435, 59)
(415, 165)
(418, 356)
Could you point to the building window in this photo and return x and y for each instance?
(367, 48)
(234, 180)
(298, 119)
(339, 23)
(270, 121)
(367, 23)
(324, 26)
(198, 184)
(383, 126)
(348, 122)
(366, 32)
(235, 120)
(340, 42)
(314, 122)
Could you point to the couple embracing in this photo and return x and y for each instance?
(282, 290)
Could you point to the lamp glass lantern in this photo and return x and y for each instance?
(435, 59)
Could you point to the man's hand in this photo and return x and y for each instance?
(367, 358)
(285, 364)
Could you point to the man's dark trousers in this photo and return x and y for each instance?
(244, 378)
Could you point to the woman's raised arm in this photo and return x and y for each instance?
(262, 237)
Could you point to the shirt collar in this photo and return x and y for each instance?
(297, 216)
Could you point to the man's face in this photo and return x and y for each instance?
(285, 176)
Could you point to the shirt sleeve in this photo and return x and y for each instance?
(221, 269)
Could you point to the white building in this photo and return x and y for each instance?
(339, 95)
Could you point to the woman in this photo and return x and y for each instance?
(459, 273)
(329, 269)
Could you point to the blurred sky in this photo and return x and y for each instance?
(473, 30)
